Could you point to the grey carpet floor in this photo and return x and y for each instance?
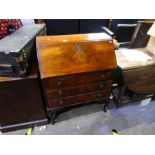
(133, 119)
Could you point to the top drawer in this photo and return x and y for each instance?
(74, 80)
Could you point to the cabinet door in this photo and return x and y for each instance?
(20, 103)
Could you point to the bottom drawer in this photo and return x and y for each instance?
(78, 99)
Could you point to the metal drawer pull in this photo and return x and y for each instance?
(61, 102)
(99, 94)
(60, 92)
(59, 83)
(101, 85)
(103, 76)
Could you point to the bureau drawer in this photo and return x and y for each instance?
(88, 97)
(62, 82)
(76, 90)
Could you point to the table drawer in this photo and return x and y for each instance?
(55, 83)
(76, 90)
(87, 97)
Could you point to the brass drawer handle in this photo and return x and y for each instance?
(59, 83)
(99, 94)
(60, 92)
(61, 102)
(101, 85)
(103, 76)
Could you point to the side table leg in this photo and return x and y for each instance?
(120, 96)
(52, 117)
(105, 106)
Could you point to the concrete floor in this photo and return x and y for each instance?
(133, 119)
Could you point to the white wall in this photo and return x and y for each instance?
(27, 21)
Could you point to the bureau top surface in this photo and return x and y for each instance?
(70, 54)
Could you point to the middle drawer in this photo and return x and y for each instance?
(76, 90)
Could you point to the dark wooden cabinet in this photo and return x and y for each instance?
(21, 104)
(75, 69)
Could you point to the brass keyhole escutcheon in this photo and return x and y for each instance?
(78, 47)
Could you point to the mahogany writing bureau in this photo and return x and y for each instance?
(75, 69)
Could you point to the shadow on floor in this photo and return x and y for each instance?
(91, 120)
